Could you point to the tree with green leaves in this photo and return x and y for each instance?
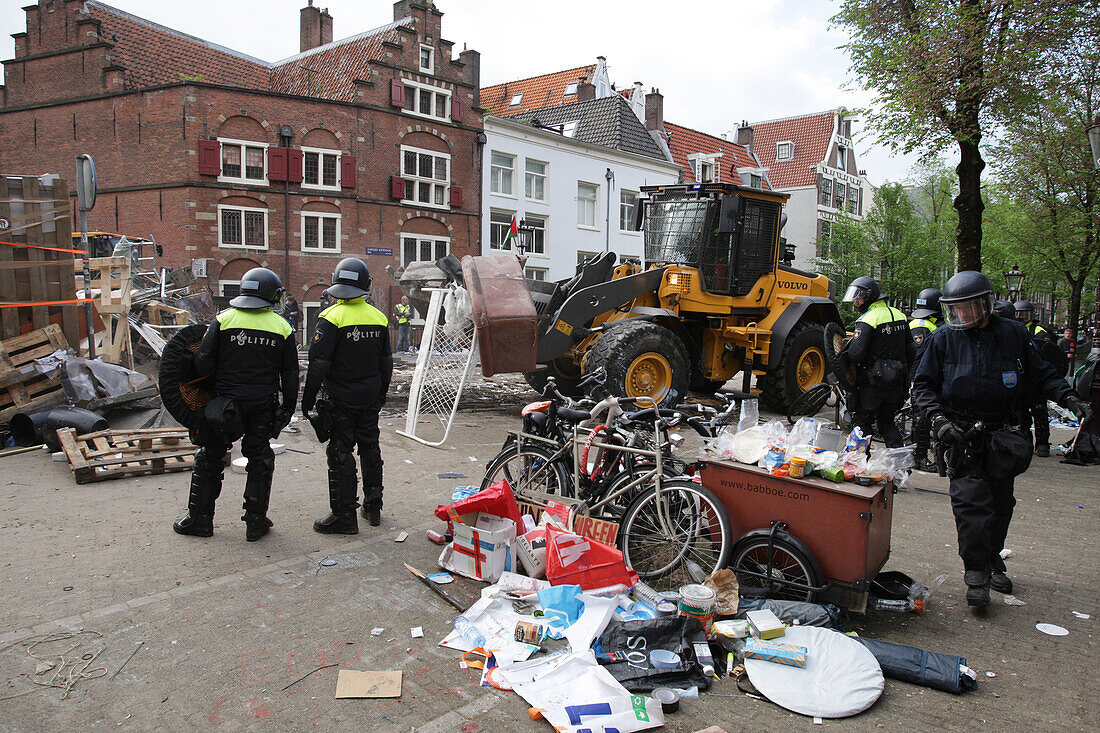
(946, 71)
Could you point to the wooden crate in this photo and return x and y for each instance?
(37, 213)
(21, 385)
(111, 454)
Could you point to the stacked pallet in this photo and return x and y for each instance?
(111, 454)
(22, 386)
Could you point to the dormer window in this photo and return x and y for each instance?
(571, 88)
(784, 151)
(516, 99)
(569, 128)
(842, 157)
(427, 59)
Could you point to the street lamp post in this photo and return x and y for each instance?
(1014, 281)
(1093, 132)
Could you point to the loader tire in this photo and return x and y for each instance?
(565, 373)
(640, 359)
(801, 366)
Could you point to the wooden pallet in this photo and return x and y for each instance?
(21, 385)
(111, 454)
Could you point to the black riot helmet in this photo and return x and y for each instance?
(1025, 311)
(350, 279)
(864, 289)
(968, 299)
(928, 304)
(1005, 309)
(260, 288)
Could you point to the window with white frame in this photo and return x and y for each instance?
(502, 173)
(536, 273)
(587, 194)
(229, 288)
(838, 196)
(427, 176)
(427, 58)
(628, 204)
(755, 180)
(321, 168)
(516, 99)
(535, 180)
(243, 161)
(842, 157)
(423, 248)
(320, 232)
(784, 151)
(571, 88)
(853, 199)
(242, 226)
(705, 171)
(428, 101)
(826, 192)
(568, 129)
(583, 257)
(499, 224)
(538, 233)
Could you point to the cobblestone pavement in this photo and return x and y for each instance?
(222, 627)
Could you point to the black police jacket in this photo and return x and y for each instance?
(350, 354)
(984, 373)
(881, 334)
(252, 353)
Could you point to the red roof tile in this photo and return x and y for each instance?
(809, 133)
(684, 141)
(538, 92)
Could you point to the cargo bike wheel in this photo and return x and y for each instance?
(776, 565)
(676, 535)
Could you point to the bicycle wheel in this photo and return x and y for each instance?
(693, 434)
(530, 471)
(810, 402)
(791, 563)
(904, 422)
(677, 536)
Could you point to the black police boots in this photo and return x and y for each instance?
(256, 526)
(1000, 582)
(1042, 450)
(333, 523)
(372, 505)
(206, 483)
(342, 490)
(923, 462)
(197, 525)
(977, 587)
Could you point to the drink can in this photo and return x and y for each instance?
(436, 537)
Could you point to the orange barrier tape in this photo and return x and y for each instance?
(51, 249)
(46, 302)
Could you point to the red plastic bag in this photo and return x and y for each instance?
(497, 500)
(571, 558)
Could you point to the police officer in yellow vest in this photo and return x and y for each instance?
(927, 317)
(350, 357)
(1025, 314)
(402, 313)
(252, 353)
(882, 352)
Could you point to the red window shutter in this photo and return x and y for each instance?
(347, 171)
(456, 197)
(397, 187)
(294, 165)
(210, 158)
(276, 164)
(397, 93)
(456, 109)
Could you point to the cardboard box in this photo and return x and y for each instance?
(531, 551)
(483, 547)
(770, 651)
(765, 624)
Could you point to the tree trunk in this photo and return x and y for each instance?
(969, 204)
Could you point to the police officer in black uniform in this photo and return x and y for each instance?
(980, 369)
(1025, 314)
(350, 357)
(882, 351)
(927, 317)
(252, 353)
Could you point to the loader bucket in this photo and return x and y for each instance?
(503, 312)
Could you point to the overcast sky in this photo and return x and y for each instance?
(716, 63)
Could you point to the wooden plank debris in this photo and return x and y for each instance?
(111, 454)
(21, 385)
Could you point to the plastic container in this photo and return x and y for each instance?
(829, 439)
(664, 659)
(698, 601)
(798, 467)
(469, 632)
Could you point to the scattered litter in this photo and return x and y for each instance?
(450, 475)
(59, 457)
(278, 448)
(417, 632)
(819, 721)
(1006, 553)
(441, 578)
(328, 562)
(1011, 600)
(408, 461)
(990, 674)
(355, 683)
(473, 459)
(292, 430)
(1052, 629)
(401, 537)
(377, 631)
(1085, 616)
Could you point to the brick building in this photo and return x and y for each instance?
(367, 146)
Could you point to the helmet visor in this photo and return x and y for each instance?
(969, 313)
(853, 293)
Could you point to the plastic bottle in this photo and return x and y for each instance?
(702, 653)
(884, 604)
(469, 632)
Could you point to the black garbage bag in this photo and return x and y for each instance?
(929, 669)
(801, 613)
(637, 639)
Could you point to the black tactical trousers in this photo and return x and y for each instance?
(883, 416)
(353, 427)
(206, 481)
(1042, 423)
(983, 511)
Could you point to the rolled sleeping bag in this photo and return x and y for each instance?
(929, 669)
(40, 426)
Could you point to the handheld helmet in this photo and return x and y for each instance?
(928, 304)
(1025, 310)
(864, 289)
(260, 288)
(1005, 309)
(350, 279)
(968, 299)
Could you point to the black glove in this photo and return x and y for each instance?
(282, 419)
(947, 431)
(1080, 408)
(308, 402)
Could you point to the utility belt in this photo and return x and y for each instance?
(1001, 450)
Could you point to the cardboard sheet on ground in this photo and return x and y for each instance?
(576, 694)
(356, 683)
(841, 676)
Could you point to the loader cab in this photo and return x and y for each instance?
(729, 233)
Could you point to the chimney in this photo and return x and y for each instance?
(326, 27)
(744, 136)
(471, 72)
(311, 27)
(655, 111)
(586, 91)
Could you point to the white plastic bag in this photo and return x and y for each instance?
(750, 415)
